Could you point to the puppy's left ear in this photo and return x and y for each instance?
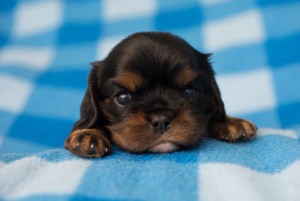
(220, 126)
(216, 108)
(90, 115)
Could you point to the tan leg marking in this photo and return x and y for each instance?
(88, 143)
(233, 130)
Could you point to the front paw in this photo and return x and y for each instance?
(88, 143)
(234, 130)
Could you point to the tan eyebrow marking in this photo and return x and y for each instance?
(129, 80)
(185, 75)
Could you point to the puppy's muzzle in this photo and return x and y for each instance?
(160, 123)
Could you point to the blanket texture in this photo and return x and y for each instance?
(45, 50)
(264, 169)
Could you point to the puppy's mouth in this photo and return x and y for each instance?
(164, 147)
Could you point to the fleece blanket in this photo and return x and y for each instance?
(264, 169)
(45, 50)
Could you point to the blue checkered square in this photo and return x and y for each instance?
(73, 33)
(174, 19)
(75, 79)
(74, 56)
(78, 12)
(283, 51)
(45, 101)
(282, 15)
(40, 130)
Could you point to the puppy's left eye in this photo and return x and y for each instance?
(123, 98)
(190, 93)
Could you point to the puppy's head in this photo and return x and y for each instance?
(152, 93)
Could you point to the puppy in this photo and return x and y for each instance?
(153, 93)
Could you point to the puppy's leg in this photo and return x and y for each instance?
(88, 143)
(232, 129)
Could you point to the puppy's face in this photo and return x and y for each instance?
(152, 94)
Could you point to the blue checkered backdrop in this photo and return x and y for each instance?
(45, 50)
(46, 47)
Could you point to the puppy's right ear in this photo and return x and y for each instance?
(90, 107)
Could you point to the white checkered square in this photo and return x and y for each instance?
(27, 57)
(240, 29)
(237, 182)
(14, 93)
(105, 45)
(247, 92)
(43, 177)
(35, 17)
(119, 9)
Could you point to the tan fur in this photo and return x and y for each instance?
(131, 81)
(90, 131)
(233, 129)
(185, 76)
(88, 143)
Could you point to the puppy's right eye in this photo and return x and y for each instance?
(190, 93)
(123, 98)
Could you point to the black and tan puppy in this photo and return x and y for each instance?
(153, 93)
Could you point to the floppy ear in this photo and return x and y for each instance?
(90, 107)
(216, 109)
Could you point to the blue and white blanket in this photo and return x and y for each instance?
(45, 50)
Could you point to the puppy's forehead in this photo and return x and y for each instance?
(150, 62)
(134, 79)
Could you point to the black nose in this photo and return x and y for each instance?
(160, 123)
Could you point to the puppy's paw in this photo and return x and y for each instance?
(88, 143)
(233, 130)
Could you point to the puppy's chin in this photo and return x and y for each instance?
(164, 147)
(135, 134)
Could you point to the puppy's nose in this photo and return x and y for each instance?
(160, 123)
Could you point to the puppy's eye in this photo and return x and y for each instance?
(190, 93)
(123, 98)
